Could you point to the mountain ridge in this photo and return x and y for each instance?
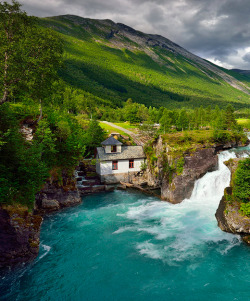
(166, 54)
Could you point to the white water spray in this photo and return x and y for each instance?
(184, 231)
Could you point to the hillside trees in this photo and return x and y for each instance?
(29, 55)
(13, 22)
(29, 59)
(94, 135)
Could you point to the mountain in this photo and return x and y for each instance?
(243, 72)
(113, 62)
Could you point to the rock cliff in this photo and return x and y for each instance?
(174, 171)
(19, 235)
(228, 213)
(195, 165)
(20, 229)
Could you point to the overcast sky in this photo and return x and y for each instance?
(218, 30)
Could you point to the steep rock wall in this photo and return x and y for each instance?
(19, 235)
(195, 166)
(176, 180)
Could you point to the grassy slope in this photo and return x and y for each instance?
(114, 75)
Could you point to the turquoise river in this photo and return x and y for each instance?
(125, 245)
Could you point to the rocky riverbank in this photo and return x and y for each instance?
(57, 193)
(20, 228)
(228, 214)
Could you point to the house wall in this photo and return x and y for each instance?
(122, 174)
(108, 149)
(123, 167)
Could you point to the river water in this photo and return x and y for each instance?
(127, 246)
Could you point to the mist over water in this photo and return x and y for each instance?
(129, 246)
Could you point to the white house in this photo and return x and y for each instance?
(116, 162)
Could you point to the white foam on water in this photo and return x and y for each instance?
(184, 231)
(124, 229)
(46, 249)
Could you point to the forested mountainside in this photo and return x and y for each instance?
(112, 62)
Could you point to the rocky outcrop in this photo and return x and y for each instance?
(195, 166)
(228, 213)
(19, 235)
(163, 174)
(175, 171)
(53, 197)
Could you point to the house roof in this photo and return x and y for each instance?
(111, 141)
(128, 152)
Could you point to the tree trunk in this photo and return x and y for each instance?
(5, 85)
(41, 112)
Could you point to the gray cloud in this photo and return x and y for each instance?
(246, 57)
(218, 30)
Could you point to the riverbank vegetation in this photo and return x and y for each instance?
(241, 186)
(238, 194)
(36, 133)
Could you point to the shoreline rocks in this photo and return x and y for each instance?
(52, 198)
(19, 235)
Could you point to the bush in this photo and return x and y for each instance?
(245, 209)
(241, 182)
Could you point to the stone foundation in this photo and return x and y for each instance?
(117, 178)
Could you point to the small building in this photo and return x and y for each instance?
(116, 162)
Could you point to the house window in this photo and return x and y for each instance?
(113, 149)
(131, 163)
(114, 165)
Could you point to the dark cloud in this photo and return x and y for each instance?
(218, 30)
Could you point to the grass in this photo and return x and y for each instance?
(244, 122)
(180, 142)
(109, 129)
(128, 126)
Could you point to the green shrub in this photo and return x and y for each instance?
(241, 182)
(180, 165)
(245, 209)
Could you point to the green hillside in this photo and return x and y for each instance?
(112, 62)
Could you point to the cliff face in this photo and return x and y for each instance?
(20, 229)
(19, 235)
(195, 166)
(174, 172)
(228, 216)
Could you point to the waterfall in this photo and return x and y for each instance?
(186, 230)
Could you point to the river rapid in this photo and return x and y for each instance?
(125, 245)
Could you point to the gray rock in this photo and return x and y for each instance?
(109, 188)
(195, 166)
(50, 204)
(19, 236)
(121, 187)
